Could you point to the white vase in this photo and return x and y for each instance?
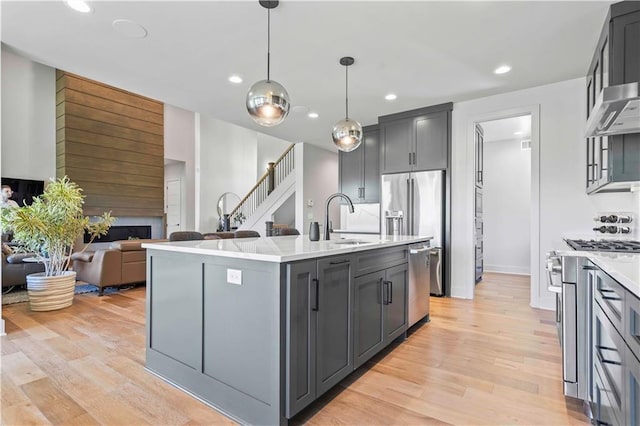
(51, 293)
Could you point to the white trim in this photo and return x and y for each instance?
(534, 111)
(2, 332)
(506, 269)
(197, 185)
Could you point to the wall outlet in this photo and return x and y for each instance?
(310, 215)
(310, 202)
(234, 276)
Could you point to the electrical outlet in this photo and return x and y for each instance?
(234, 276)
(310, 215)
(310, 203)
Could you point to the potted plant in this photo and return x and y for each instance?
(49, 228)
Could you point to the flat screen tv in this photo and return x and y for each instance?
(24, 189)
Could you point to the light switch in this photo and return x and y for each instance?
(234, 276)
(310, 203)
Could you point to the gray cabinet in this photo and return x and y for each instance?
(415, 140)
(333, 315)
(318, 329)
(613, 162)
(379, 308)
(359, 170)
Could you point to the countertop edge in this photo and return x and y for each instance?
(276, 258)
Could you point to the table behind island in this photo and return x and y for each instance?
(235, 322)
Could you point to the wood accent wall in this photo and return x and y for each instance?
(111, 143)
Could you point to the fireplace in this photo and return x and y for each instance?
(124, 232)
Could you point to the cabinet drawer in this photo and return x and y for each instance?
(610, 296)
(377, 260)
(632, 323)
(604, 412)
(608, 358)
(632, 392)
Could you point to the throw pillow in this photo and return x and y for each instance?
(6, 250)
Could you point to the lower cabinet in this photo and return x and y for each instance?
(379, 311)
(318, 331)
(337, 320)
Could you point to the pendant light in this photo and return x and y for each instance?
(347, 133)
(268, 101)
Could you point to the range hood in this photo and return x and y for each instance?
(616, 112)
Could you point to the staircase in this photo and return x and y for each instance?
(269, 193)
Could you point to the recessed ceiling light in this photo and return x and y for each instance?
(236, 79)
(129, 28)
(79, 6)
(312, 115)
(391, 97)
(518, 133)
(502, 69)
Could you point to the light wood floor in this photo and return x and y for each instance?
(493, 360)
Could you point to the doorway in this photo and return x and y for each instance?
(504, 196)
(174, 202)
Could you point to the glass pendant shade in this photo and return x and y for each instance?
(268, 103)
(347, 134)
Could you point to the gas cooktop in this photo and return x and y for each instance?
(623, 246)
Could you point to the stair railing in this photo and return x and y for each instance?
(275, 174)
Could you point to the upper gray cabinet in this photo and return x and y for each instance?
(415, 140)
(360, 169)
(613, 162)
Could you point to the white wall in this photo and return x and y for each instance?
(28, 118)
(564, 207)
(506, 206)
(227, 163)
(269, 150)
(179, 145)
(317, 179)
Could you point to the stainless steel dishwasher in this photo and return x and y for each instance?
(419, 282)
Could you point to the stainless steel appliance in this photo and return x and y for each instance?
(620, 246)
(419, 278)
(418, 199)
(568, 277)
(394, 222)
(435, 271)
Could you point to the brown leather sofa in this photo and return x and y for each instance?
(123, 263)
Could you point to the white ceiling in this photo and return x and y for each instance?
(425, 52)
(507, 129)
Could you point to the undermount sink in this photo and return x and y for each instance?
(352, 242)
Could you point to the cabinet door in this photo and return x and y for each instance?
(632, 392)
(394, 298)
(625, 36)
(397, 143)
(431, 142)
(367, 317)
(333, 341)
(351, 170)
(301, 336)
(371, 174)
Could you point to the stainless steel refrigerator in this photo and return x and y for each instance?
(413, 204)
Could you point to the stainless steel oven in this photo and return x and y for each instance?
(567, 278)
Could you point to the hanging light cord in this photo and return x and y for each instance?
(268, 43)
(346, 91)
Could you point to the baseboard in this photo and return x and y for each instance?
(505, 269)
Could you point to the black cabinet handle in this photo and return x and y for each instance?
(589, 268)
(316, 304)
(383, 283)
(362, 193)
(409, 158)
(339, 262)
(387, 292)
(601, 357)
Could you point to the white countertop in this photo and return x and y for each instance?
(622, 267)
(285, 248)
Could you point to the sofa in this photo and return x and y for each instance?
(123, 263)
(15, 270)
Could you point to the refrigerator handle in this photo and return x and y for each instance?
(439, 268)
(413, 227)
(409, 212)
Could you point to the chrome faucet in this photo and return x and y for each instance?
(326, 211)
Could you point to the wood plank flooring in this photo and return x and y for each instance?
(493, 360)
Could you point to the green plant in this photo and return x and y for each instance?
(50, 226)
(239, 217)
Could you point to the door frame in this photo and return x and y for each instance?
(534, 110)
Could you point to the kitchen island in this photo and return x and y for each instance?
(259, 328)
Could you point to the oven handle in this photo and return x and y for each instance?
(569, 331)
